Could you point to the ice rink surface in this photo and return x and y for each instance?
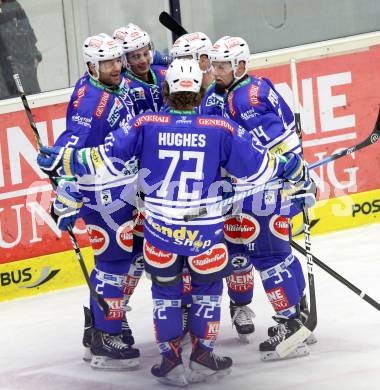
(40, 337)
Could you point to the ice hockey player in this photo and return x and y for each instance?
(259, 236)
(144, 79)
(192, 46)
(184, 153)
(99, 104)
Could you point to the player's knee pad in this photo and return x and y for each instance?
(281, 286)
(241, 282)
(166, 281)
(210, 265)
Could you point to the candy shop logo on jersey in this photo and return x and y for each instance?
(182, 236)
(230, 101)
(213, 260)
(215, 123)
(279, 226)
(124, 236)
(80, 93)
(253, 95)
(241, 229)
(102, 104)
(81, 120)
(366, 208)
(23, 275)
(158, 258)
(99, 239)
(152, 118)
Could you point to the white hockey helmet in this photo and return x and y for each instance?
(184, 75)
(98, 48)
(232, 50)
(193, 44)
(132, 37)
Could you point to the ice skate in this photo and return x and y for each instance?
(171, 370)
(205, 366)
(109, 352)
(288, 342)
(241, 317)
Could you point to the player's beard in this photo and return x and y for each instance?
(220, 89)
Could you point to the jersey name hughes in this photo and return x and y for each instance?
(182, 139)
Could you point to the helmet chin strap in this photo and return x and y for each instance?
(96, 66)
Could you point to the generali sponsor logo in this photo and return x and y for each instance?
(213, 260)
(102, 104)
(241, 228)
(124, 236)
(99, 238)
(215, 123)
(279, 226)
(152, 118)
(158, 258)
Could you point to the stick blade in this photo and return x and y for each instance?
(171, 24)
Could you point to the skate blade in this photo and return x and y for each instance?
(199, 373)
(311, 340)
(301, 350)
(289, 345)
(245, 338)
(87, 355)
(176, 377)
(107, 364)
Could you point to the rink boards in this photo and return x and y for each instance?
(339, 83)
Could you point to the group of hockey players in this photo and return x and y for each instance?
(147, 145)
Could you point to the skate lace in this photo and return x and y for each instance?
(115, 342)
(243, 315)
(281, 329)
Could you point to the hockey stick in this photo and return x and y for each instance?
(103, 305)
(171, 24)
(312, 319)
(371, 139)
(338, 277)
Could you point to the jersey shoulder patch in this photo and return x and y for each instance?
(151, 118)
(215, 122)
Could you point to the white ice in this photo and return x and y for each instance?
(40, 337)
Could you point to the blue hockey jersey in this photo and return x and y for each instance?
(147, 97)
(181, 155)
(93, 111)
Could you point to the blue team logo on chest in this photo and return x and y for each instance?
(215, 100)
(137, 93)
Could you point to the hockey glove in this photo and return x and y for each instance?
(66, 206)
(59, 161)
(294, 168)
(300, 195)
